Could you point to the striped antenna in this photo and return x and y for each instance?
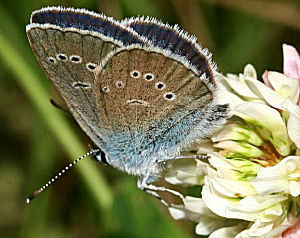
(58, 175)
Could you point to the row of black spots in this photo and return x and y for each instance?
(76, 59)
(170, 96)
(120, 84)
(149, 77)
(137, 74)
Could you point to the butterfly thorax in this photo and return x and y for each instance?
(138, 155)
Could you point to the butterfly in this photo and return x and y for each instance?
(140, 89)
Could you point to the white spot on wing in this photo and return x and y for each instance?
(160, 85)
(61, 57)
(91, 66)
(170, 96)
(149, 76)
(135, 74)
(81, 85)
(137, 102)
(52, 60)
(76, 59)
(120, 84)
(105, 89)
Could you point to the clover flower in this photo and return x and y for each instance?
(251, 179)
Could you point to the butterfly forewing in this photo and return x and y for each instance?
(69, 58)
(84, 21)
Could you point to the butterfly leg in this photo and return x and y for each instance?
(152, 189)
(185, 157)
(192, 157)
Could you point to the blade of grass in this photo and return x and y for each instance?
(281, 12)
(193, 21)
(37, 94)
(140, 7)
(34, 218)
(110, 8)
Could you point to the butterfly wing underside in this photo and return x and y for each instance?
(177, 41)
(140, 90)
(157, 119)
(69, 44)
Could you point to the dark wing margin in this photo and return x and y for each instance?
(176, 40)
(84, 20)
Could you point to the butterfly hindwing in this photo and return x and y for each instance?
(176, 40)
(156, 119)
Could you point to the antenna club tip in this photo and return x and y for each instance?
(27, 201)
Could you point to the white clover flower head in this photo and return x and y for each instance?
(251, 181)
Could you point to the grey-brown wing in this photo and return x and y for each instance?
(69, 44)
(69, 60)
(158, 98)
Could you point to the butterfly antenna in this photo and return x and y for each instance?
(59, 174)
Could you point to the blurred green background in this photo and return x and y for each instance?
(38, 139)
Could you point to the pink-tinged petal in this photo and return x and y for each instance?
(293, 232)
(291, 62)
(284, 86)
(265, 78)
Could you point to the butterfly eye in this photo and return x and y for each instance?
(160, 85)
(135, 74)
(75, 59)
(119, 84)
(170, 96)
(61, 57)
(149, 76)
(51, 60)
(105, 89)
(91, 66)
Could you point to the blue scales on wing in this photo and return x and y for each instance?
(157, 104)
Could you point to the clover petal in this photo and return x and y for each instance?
(293, 124)
(251, 178)
(239, 148)
(187, 171)
(229, 231)
(283, 177)
(284, 86)
(268, 94)
(268, 118)
(237, 132)
(291, 62)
